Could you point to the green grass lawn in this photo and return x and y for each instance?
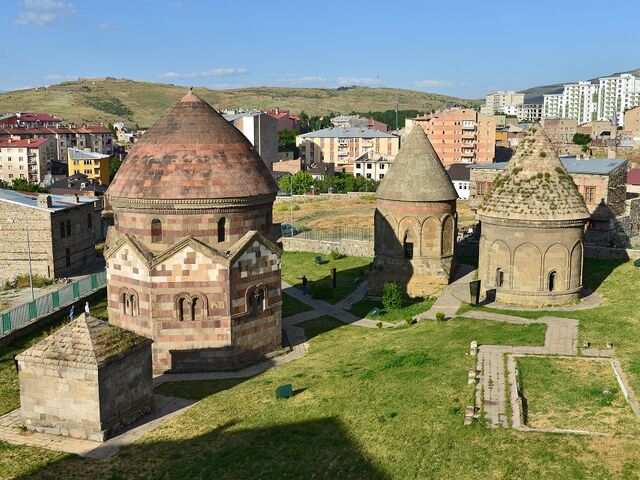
(297, 264)
(410, 308)
(371, 403)
(574, 394)
(291, 306)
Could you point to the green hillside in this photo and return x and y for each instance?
(110, 100)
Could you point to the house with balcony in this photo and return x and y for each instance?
(28, 159)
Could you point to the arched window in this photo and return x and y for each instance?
(407, 245)
(256, 298)
(552, 281)
(124, 299)
(222, 225)
(133, 304)
(182, 309)
(499, 277)
(156, 231)
(196, 309)
(259, 301)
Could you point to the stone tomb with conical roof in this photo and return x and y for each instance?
(86, 380)
(532, 218)
(415, 221)
(191, 260)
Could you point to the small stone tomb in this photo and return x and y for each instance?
(87, 380)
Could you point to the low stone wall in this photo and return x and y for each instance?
(321, 196)
(353, 248)
(604, 253)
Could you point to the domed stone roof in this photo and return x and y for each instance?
(535, 185)
(417, 174)
(192, 152)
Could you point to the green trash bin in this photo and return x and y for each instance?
(284, 391)
(474, 292)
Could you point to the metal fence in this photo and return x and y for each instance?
(336, 234)
(26, 313)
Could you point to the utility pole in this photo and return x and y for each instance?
(397, 104)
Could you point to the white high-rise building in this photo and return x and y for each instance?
(499, 102)
(585, 101)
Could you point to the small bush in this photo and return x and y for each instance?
(379, 324)
(409, 320)
(392, 296)
(543, 154)
(336, 255)
(440, 316)
(370, 197)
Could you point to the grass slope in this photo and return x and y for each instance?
(109, 100)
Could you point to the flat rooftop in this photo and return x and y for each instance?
(350, 132)
(58, 202)
(594, 166)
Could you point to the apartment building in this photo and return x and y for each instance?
(372, 166)
(94, 165)
(607, 99)
(96, 138)
(27, 159)
(560, 130)
(261, 129)
(459, 135)
(343, 146)
(499, 102)
(526, 112)
(29, 120)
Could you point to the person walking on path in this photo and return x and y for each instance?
(304, 284)
(72, 312)
(87, 311)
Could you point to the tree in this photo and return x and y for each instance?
(585, 148)
(581, 139)
(302, 182)
(288, 138)
(22, 185)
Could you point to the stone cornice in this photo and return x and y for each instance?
(544, 224)
(189, 204)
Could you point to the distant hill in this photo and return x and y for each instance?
(109, 100)
(534, 94)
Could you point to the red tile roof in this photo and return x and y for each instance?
(29, 118)
(633, 177)
(23, 143)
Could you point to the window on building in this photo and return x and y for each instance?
(89, 220)
(368, 175)
(408, 245)
(552, 281)
(156, 231)
(381, 176)
(62, 230)
(222, 227)
(589, 194)
(182, 303)
(499, 277)
(68, 228)
(67, 256)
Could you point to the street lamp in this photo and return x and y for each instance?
(26, 226)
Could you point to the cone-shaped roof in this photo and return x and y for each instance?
(417, 174)
(85, 340)
(535, 185)
(192, 152)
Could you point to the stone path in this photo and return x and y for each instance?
(165, 408)
(588, 300)
(452, 295)
(496, 368)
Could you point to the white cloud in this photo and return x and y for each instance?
(348, 81)
(214, 72)
(106, 26)
(54, 77)
(42, 13)
(437, 84)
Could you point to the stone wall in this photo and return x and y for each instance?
(604, 253)
(628, 224)
(321, 196)
(352, 248)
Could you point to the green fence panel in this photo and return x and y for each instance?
(94, 282)
(33, 310)
(55, 300)
(76, 290)
(6, 322)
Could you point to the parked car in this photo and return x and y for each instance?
(282, 193)
(288, 230)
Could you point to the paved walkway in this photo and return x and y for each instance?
(452, 295)
(588, 300)
(496, 368)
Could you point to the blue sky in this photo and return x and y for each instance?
(464, 48)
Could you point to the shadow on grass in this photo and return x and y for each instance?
(313, 328)
(305, 449)
(596, 271)
(197, 389)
